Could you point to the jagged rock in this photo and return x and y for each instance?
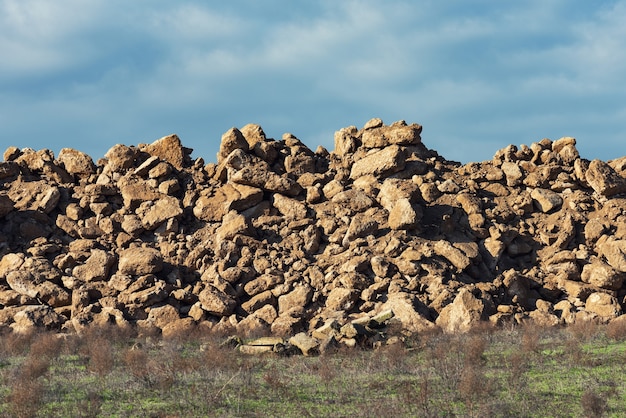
(120, 157)
(408, 312)
(614, 251)
(76, 162)
(383, 136)
(602, 275)
(604, 180)
(457, 257)
(381, 163)
(140, 260)
(288, 207)
(462, 314)
(341, 299)
(31, 318)
(170, 149)
(153, 214)
(513, 173)
(604, 305)
(307, 345)
(216, 302)
(96, 267)
(546, 200)
(299, 297)
(231, 141)
(361, 225)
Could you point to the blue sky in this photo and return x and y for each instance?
(478, 75)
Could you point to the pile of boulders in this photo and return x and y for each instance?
(275, 238)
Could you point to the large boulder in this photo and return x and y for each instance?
(604, 179)
(139, 261)
(464, 313)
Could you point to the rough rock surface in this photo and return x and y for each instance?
(319, 245)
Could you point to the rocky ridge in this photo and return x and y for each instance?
(275, 238)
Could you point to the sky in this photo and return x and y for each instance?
(478, 75)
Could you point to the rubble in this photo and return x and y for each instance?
(318, 248)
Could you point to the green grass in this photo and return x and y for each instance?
(503, 373)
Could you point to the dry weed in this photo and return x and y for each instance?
(25, 398)
(101, 356)
(593, 404)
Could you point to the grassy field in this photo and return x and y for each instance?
(572, 372)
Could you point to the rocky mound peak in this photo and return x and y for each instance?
(277, 238)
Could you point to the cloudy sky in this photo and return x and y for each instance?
(478, 75)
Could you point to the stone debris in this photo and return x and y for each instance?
(317, 248)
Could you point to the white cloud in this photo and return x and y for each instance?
(38, 36)
(479, 74)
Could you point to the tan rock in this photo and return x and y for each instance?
(231, 140)
(464, 313)
(604, 179)
(546, 200)
(170, 149)
(513, 173)
(341, 299)
(604, 305)
(380, 163)
(288, 207)
(307, 345)
(140, 260)
(232, 225)
(457, 257)
(404, 216)
(10, 262)
(345, 141)
(120, 157)
(361, 225)
(403, 306)
(33, 317)
(96, 267)
(600, 274)
(153, 214)
(76, 162)
(258, 301)
(383, 136)
(216, 302)
(299, 297)
(161, 316)
(614, 251)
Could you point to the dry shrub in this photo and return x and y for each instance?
(273, 379)
(417, 396)
(25, 398)
(475, 350)
(46, 345)
(136, 361)
(518, 365)
(395, 356)
(584, 331)
(101, 356)
(15, 344)
(593, 404)
(33, 368)
(325, 369)
(616, 330)
(530, 339)
(473, 383)
(91, 406)
(218, 357)
(572, 348)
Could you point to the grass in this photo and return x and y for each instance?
(522, 372)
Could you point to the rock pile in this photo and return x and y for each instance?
(277, 238)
